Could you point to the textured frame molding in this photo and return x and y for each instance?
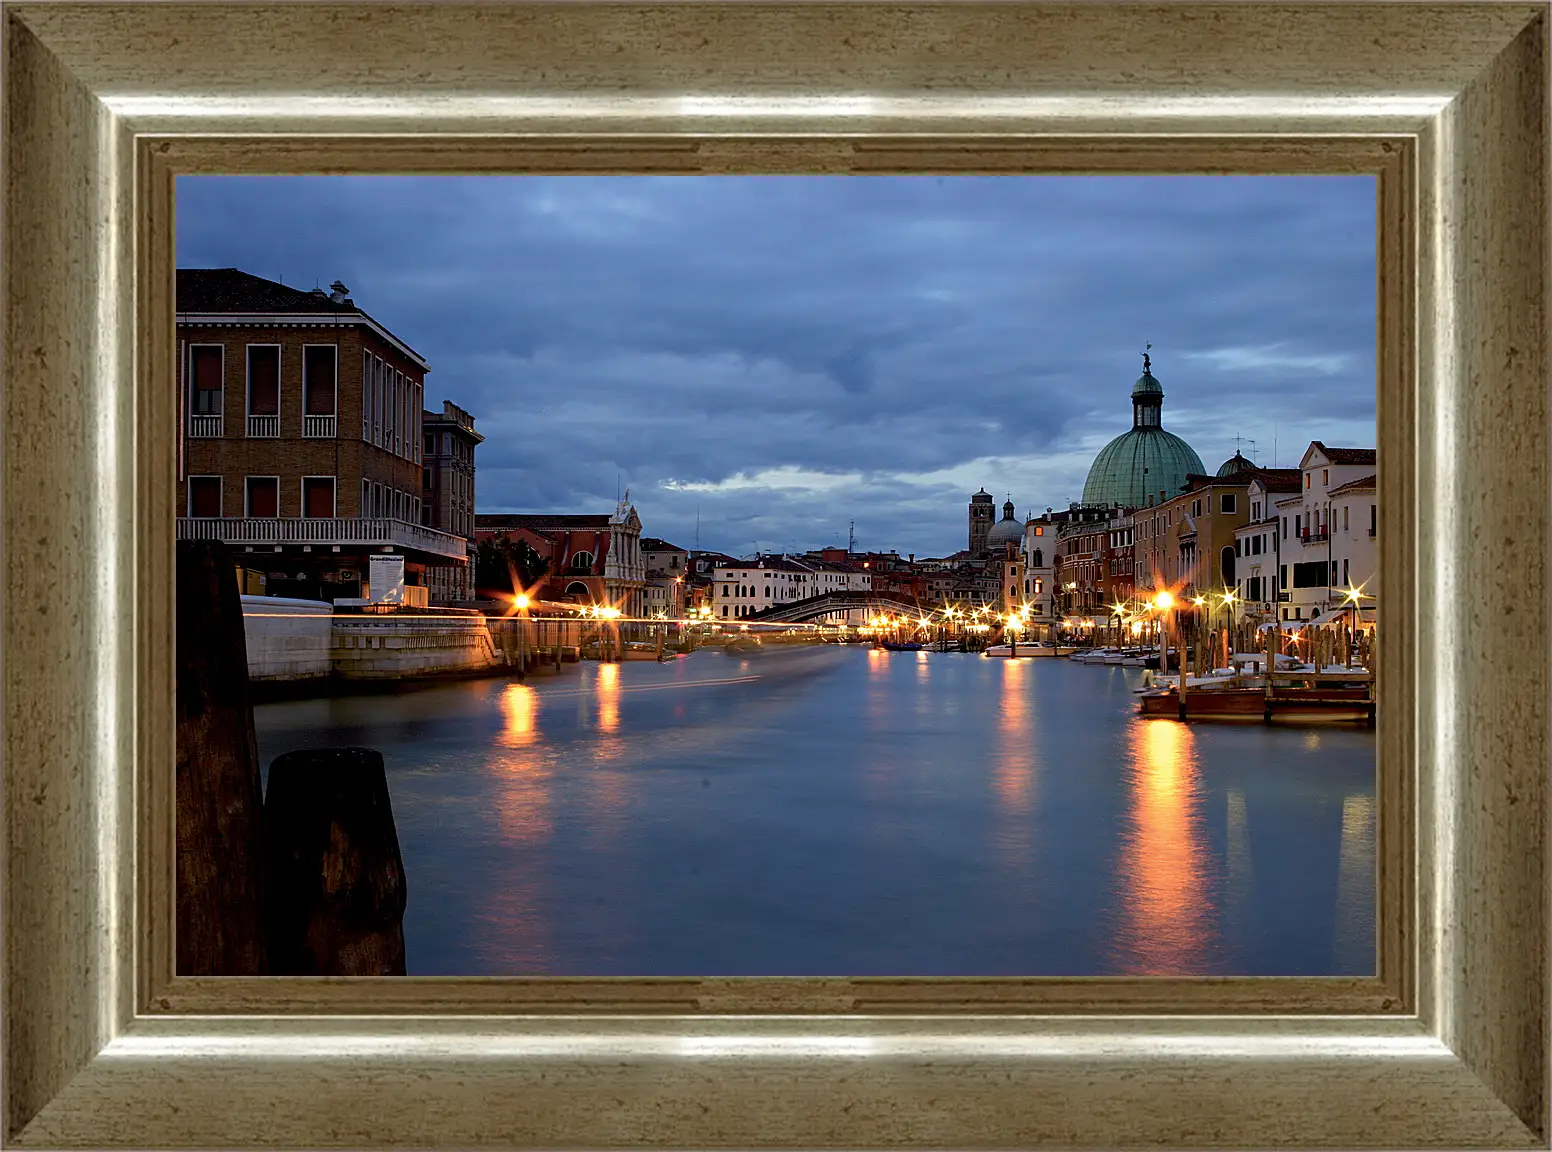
(103, 104)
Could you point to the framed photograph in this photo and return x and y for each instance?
(154, 401)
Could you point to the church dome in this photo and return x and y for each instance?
(1233, 464)
(1005, 532)
(1145, 461)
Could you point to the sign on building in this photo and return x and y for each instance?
(385, 579)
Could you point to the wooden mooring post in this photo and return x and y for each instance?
(220, 875)
(307, 881)
(336, 882)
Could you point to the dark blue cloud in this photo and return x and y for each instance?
(786, 354)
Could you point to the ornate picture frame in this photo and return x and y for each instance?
(106, 104)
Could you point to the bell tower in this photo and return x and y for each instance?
(983, 510)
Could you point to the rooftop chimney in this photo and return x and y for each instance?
(339, 293)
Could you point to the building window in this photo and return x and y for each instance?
(1227, 504)
(263, 390)
(204, 496)
(1255, 510)
(577, 588)
(581, 561)
(261, 498)
(1325, 477)
(1346, 580)
(318, 497)
(366, 499)
(319, 378)
(1298, 524)
(205, 392)
(1040, 531)
(1307, 479)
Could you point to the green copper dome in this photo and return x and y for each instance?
(1235, 463)
(1140, 464)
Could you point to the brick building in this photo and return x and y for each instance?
(301, 437)
(594, 558)
(447, 492)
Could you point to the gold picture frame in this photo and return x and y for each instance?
(104, 104)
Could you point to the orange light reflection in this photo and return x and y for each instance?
(1165, 914)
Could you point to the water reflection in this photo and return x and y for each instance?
(1165, 919)
(1239, 913)
(1012, 757)
(608, 697)
(517, 937)
(520, 710)
(1354, 941)
(1013, 768)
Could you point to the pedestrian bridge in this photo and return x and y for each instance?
(827, 604)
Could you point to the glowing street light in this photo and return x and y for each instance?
(520, 601)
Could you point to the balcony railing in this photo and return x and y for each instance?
(263, 426)
(1315, 536)
(367, 531)
(205, 426)
(321, 427)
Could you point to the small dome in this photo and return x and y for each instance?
(1005, 532)
(1235, 463)
(1147, 386)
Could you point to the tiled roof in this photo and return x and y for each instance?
(653, 544)
(233, 290)
(1362, 484)
(538, 522)
(1346, 455)
(217, 290)
(1280, 479)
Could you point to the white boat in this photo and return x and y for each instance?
(1021, 651)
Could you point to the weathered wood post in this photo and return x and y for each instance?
(219, 814)
(1273, 643)
(336, 883)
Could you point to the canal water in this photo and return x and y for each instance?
(848, 811)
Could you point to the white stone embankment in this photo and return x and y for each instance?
(291, 640)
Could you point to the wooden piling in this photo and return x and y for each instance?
(336, 881)
(220, 873)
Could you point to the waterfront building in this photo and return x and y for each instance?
(1145, 465)
(667, 566)
(1040, 545)
(745, 587)
(1187, 543)
(1092, 542)
(301, 439)
(1354, 542)
(447, 494)
(1311, 561)
(981, 513)
(594, 558)
(1257, 544)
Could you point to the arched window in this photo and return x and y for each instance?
(581, 561)
(1040, 563)
(1226, 562)
(768, 596)
(576, 588)
(726, 588)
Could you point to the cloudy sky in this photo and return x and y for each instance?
(783, 355)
